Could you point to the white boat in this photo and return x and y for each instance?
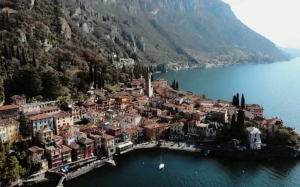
(161, 165)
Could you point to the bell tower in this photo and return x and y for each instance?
(149, 87)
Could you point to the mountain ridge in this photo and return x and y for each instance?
(197, 31)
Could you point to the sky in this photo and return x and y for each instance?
(277, 20)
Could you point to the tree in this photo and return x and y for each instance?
(176, 86)
(237, 100)
(2, 160)
(91, 73)
(2, 148)
(152, 78)
(51, 85)
(234, 100)
(13, 171)
(173, 84)
(243, 102)
(34, 60)
(24, 61)
(25, 127)
(2, 95)
(95, 74)
(28, 81)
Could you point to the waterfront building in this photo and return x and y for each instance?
(87, 146)
(65, 154)
(176, 130)
(10, 111)
(41, 121)
(253, 135)
(97, 142)
(109, 144)
(77, 152)
(53, 153)
(123, 146)
(12, 129)
(273, 125)
(196, 129)
(154, 130)
(140, 135)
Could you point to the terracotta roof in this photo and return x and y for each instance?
(40, 116)
(74, 145)
(107, 137)
(7, 121)
(35, 149)
(9, 107)
(85, 140)
(62, 114)
(65, 148)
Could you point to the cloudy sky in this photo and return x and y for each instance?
(278, 20)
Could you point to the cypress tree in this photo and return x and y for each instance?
(18, 54)
(24, 58)
(234, 100)
(176, 86)
(152, 79)
(173, 84)
(237, 100)
(6, 66)
(3, 19)
(233, 124)
(243, 102)
(2, 149)
(91, 73)
(12, 51)
(17, 20)
(95, 74)
(34, 60)
(7, 17)
(5, 51)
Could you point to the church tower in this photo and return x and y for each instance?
(149, 87)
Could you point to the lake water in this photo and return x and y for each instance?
(275, 86)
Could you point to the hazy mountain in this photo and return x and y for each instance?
(292, 51)
(171, 30)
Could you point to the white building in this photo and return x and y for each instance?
(3, 133)
(253, 137)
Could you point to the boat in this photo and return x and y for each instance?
(161, 165)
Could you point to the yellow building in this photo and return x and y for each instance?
(12, 128)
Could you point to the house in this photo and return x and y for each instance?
(253, 135)
(97, 142)
(273, 125)
(44, 135)
(3, 133)
(257, 109)
(76, 113)
(93, 116)
(37, 106)
(36, 154)
(65, 154)
(140, 132)
(219, 114)
(77, 152)
(211, 130)
(133, 134)
(19, 100)
(50, 110)
(12, 129)
(206, 102)
(249, 114)
(87, 146)
(69, 138)
(10, 111)
(154, 131)
(123, 146)
(114, 130)
(176, 130)
(159, 83)
(61, 119)
(53, 153)
(196, 129)
(65, 129)
(109, 144)
(178, 100)
(41, 121)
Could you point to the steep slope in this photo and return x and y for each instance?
(36, 38)
(173, 30)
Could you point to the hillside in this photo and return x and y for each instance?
(155, 31)
(44, 56)
(291, 51)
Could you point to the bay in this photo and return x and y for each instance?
(275, 86)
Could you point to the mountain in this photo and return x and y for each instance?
(292, 51)
(172, 31)
(44, 55)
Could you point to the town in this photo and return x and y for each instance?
(56, 136)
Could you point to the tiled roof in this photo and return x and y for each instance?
(40, 116)
(108, 137)
(85, 140)
(35, 149)
(9, 107)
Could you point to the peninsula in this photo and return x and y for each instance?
(72, 137)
